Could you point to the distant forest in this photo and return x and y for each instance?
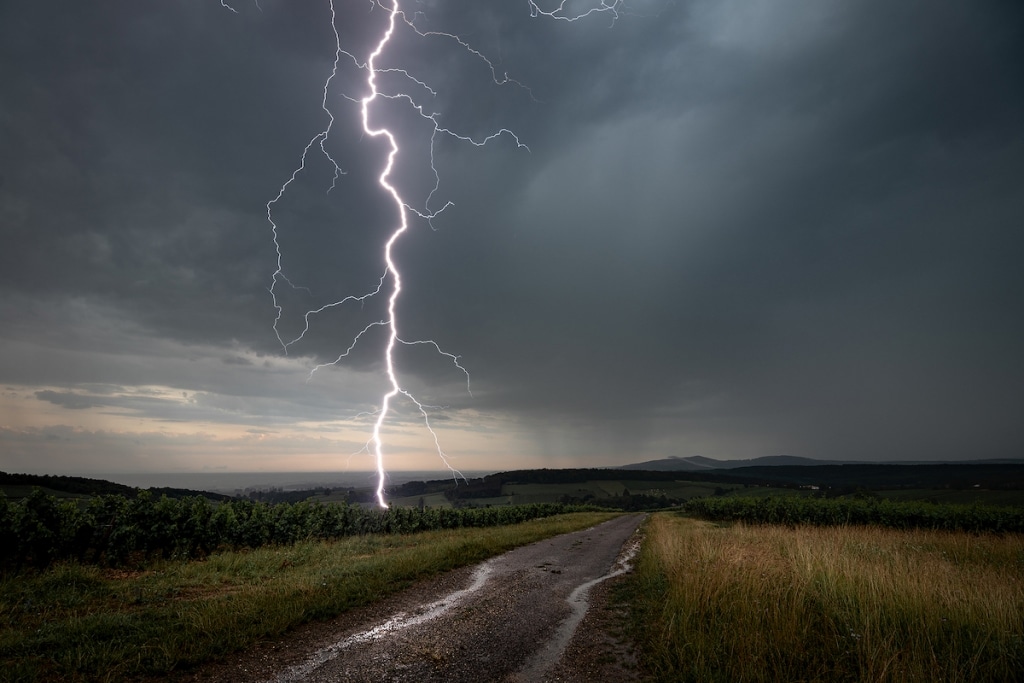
(830, 480)
(837, 478)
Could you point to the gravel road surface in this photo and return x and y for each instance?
(515, 618)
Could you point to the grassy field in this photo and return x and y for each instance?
(78, 623)
(522, 494)
(732, 602)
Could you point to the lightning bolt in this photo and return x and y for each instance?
(396, 278)
(390, 283)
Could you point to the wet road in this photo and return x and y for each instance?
(508, 620)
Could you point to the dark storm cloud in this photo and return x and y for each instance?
(142, 145)
(126, 401)
(69, 400)
(807, 221)
(787, 227)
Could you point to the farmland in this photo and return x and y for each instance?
(860, 511)
(112, 530)
(78, 622)
(731, 601)
(763, 578)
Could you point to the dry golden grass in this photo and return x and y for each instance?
(768, 603)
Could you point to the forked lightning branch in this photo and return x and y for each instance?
(390, 284)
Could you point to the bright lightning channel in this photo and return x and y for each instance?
(391, 272)
(396, 277)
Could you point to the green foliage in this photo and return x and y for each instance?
(114, 530)
(75, 485)
(78, 622)
(842, 511)
(83, 486)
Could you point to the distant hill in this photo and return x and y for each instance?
(694, 463)
(84, 486)
(697, 463)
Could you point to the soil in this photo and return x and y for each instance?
(537, 613)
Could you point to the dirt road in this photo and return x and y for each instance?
(511, 619)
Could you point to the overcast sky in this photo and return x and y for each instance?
(732, 228)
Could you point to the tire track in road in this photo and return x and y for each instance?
(510, 623)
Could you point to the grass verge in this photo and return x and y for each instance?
(83, 623)
(730, 602)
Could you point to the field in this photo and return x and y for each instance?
(598, 490)
(585, 490)
(73, 622)
(1013, 498)
(737, 602)
(430, 500)
(97, 585)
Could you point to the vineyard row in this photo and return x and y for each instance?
(112, 530)
(849, 511)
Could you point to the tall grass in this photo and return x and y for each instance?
(77, 622)
(772, 603)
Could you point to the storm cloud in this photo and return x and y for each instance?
(739, 228)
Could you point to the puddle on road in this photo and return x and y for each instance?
(396, 623)
(535, 669)
(552, 652)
